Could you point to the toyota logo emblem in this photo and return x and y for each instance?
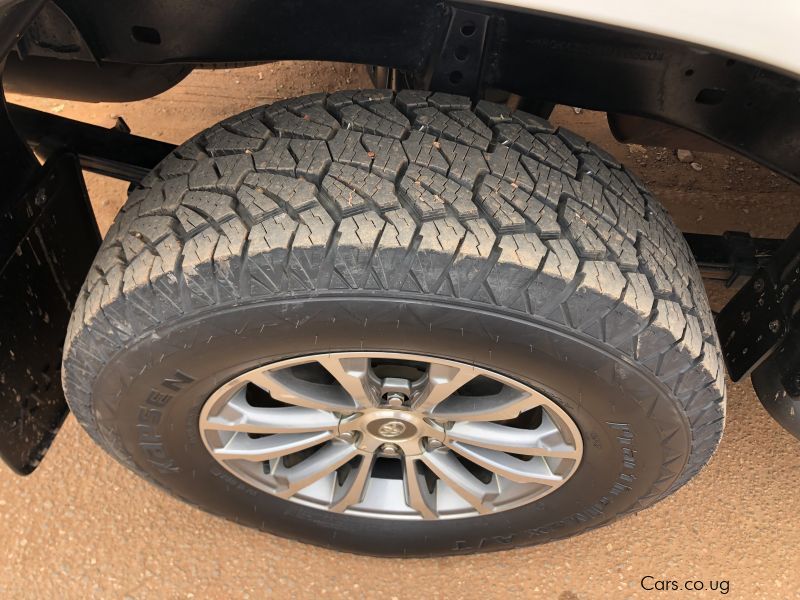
(392, 429)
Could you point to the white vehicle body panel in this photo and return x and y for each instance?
(766, 32)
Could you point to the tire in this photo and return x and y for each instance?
(413, 223)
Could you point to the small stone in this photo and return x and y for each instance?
(697, 166)
(637, 149)
(685, 156)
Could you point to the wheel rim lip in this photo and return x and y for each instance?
(224, 394)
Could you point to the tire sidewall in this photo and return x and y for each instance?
(148, 398)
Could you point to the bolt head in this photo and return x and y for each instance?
(390, 450)
(433, 444)
(774, 326)
(395, 399)
(348, 436)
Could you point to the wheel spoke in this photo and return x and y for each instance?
(442, 382)
(417, 495)
(353, 374)
(282, 385)
(352, 490)
(534, 470)
(451, 472)
(238, 415)
(545, 440)
(506, 404)
(323, 462)
(243, 447)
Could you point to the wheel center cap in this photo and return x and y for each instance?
(392, 429)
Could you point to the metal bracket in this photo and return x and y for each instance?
(732, 256)
(762, 313)
(751, 325)
(113, 152)
(458, 67)
(760, 333)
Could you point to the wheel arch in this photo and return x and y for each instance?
(739, 102)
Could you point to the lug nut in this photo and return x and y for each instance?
(395, 399)
(348, 436)
(433, 444)
(390, 450)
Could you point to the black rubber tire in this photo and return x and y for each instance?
(415, 223)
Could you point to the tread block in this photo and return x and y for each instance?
(354, 190)
(505, 163)
(173, 166)
(346, 148)
(543, 219)
(665, 329)
(198, 268)
(293, 195)
(309, 248)
(521, 256)
(268, 246)
(313, 158)
(493, 113)
(388, 156)
(370, 111)
(289, 124)
(544, 148)
(256, 205)
(228, 259)
(598, 292)
(466, 163)
(553, 283)
(220, 141)
(595, 238)
(500, 213)
(393, 251)
(408, 100)
(425, 150)
(467, 271)
(249, 124)
(224, 173)
(379, 119)
(439, 241)
(447, 102)
(430, 194)
(551, 184)
(358, 235)
(460, 126)
(630, 315)
(275, 157)
(531, 122)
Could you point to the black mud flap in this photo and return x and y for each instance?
(48, 239)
